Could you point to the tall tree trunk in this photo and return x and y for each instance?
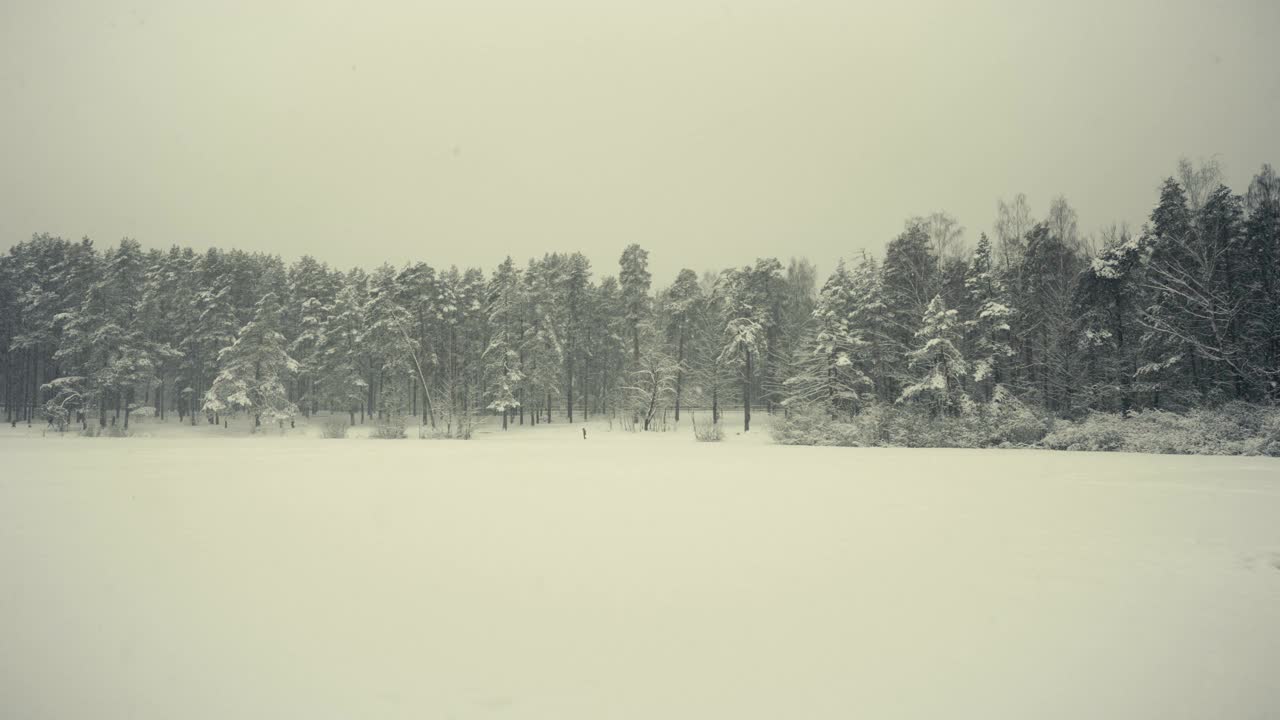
(746, 396)
(570, 390)
(679, 371)
(8, 378)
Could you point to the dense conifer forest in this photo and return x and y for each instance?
(1180, 313)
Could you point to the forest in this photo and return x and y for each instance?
(1181, 313)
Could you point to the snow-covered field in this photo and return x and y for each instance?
(538, 575)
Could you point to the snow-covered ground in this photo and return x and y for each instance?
(533, 574)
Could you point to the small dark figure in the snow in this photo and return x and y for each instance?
(584, 433)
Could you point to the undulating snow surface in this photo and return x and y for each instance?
(205, 574)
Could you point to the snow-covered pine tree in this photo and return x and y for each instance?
(574, 291)
(743, 335)
(871, 320)
(163, 316)
(989, 327)
(1052, 361)
(829, 366)
(909, 279)
(389, 346)
(305, 348)
(936, 365)
(104, 338)
(419, 293)
(634, 279)
(254, 369)
(311, 289)
(503, 354)
(541, 345)
(795, 330)
(212, 325)
(340, 352)
(710, 373)
(461, 314)
(1109, 293)
(1262, 308)
(608, 345)
(679, 304)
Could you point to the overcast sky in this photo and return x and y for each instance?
(709, 132)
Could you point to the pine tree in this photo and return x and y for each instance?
(909, 279)
(679, 304)
(743, 337)
(255, 369)
(1108, 298)
(989, 328)
(48, 281)
(105, 340)
(213, 325)
(1051, 355)
(936, 365)
(311, 289)
(503, 354)
(388, 345)
(871, 320)
(574, 289)
(541, 345)
(420, 292)
(829, 369)
(1261, 314)
(462, 317)
(339, 351)
(711, 370)
(634, 277)
(608, 343)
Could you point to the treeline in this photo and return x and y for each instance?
(1183, 313)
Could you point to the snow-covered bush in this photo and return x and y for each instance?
(334, 428)
(708, 432)
(1007, 421)
(1006, 424)
(813, 425)
(59, 418)
(1233, 429)
(1098, 432)
(389, 430)
(919, 427)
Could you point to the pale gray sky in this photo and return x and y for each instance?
(709, 132)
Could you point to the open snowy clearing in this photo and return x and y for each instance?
(533, 574)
